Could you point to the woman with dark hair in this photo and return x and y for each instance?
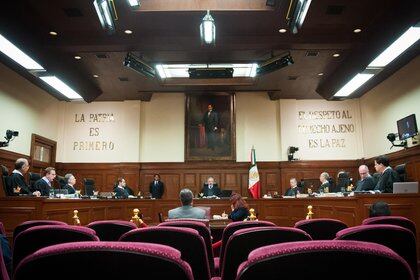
(239, 208)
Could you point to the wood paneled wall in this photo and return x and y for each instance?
(274, 176)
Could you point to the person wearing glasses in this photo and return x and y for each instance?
(366, 182)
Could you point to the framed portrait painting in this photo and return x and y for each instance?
(210, 126)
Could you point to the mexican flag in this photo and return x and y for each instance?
(254, 186)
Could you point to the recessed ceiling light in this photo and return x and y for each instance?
(357, 30)
(95, 76)
(77, 57)
(128, 31)
(336, 55)
(320, 74)
(282, 30)
(53, 33)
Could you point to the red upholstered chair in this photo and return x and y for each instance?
(35, 238)
(231, 229)
(28, 224)
(392, 220)
(321, 229)
(3, 271)
(202, 230)
(243, 241)
(111, 230)
(401, 240)
(104, 260)
(324, 259)
(188, 241)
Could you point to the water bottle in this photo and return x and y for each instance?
(51, 193)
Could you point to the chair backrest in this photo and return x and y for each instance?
(3, 271)
(186, 240)
(392, 220)
(321, 229)
(28, 224)
(105, 260)
(160, 216)
(232, 227)
(61, 181)
(5, 178)
(326, 259)
(401, 171)
(204, 221)
(35, 238)
(89, 186)
(376, 177)
(111, 230)
(399, 239)
(204, 232)
(243, 241)
(33, 177)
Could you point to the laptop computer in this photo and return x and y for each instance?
(226, 193)
(405, 187)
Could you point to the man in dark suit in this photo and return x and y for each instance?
(70, 182)
(44, 184)
(120, 191)
(156, 188)
(17, 181)
(388, 175)
(211, 188)
(325, 184)
(366, 182)
(211, 125)
(294, 189)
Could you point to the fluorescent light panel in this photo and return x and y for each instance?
(304, 11)
(9, 49)
(353, 84)
(134, 3)
(103, 9)
(61, 87)
(181, 70)
(399, 46)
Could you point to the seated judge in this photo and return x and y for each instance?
(388, 175)
(325, 184)
(211, 188)
(17, 180)
(44, 184)
(120, 191)
(156, 188)
(186, 210)
(294, 189)
(70, 182)
(366, 182)
(239, 208)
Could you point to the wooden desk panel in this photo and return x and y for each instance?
(283, 212)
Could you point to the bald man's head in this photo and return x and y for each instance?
(363, 171)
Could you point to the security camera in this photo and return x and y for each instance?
(10, 135)
(290, 153)
(392, 137)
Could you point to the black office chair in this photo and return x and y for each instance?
(402, 172)
(89, 186)
(62, 182)
(343, 181)
(6, 181)
(33, 177)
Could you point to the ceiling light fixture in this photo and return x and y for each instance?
(356, 82)
(13, 52)
(321, 74)
(61, 87)
(357, 30)
(78, 57)
(274, 64)
(53, 33)
(336, 55)
(282, 30)
(296, 14)
(406, 40)
(134, 3)
(95, 76)
(208, 30)
(128, 31)
(106, 14)
(133, 62)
